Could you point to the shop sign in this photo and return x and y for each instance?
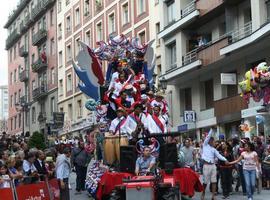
(228, 78)
(183, 128)
(189, 116)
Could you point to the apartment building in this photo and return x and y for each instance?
(200, 41)
(90, 21)
(32, 66)
(3, 102)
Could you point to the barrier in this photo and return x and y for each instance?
(37, 191)
(7, 193)
(54, 189)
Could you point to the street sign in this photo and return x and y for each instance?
(182, 128)
(58, 119)
(189, 116)
(228, 78)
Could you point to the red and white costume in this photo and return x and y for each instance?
(157, 124)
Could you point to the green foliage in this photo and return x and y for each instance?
(37, 140)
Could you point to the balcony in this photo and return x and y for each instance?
(40, 92)
(16, 12)
(41, 8)
(39, 37)
(23, 51)
(229, 107)
(23, 100)
(12, 38)
(245, 36)
(23, 27)
(210, 53)
(206, 6)
(42, 117)
(28, 20)
(23, 76)
(39, 65)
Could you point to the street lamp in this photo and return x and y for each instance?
(154, 89)
(22, 107)
(163, 83)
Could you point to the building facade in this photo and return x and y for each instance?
(32, 66)
(200, 41)
(90, 22)
(3, 108)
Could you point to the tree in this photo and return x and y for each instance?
(37, 140)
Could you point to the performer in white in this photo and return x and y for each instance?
(135, 123)
(161, 102)
(117, 122)
(157, 123)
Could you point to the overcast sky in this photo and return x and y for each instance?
(5, 8)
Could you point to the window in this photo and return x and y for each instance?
(69, 83)
(111, 23)
(67, 2)
(10, 55)
(33, 84)
(15, 98)
(11, 101)
(11, 124)
(69, 53)
(86, 8)
(142, 37)
(52, 46)
(125, 14)
(172, 55)
(34, 115)
(20, 94)
(77, 17)
(141, 6)
(68, 24)
(27, 118)
(99, 31)
(157, 31)
(10, 78)
(61, 109)
(52, 105)
(77, 46)
(59, 5)
(79, 108)
(53, 76)
(185, 100)
(61, 87)
(60, 31)
(70, 111)
(208, 94)
(88, 38)
(60, 58)
(15, 76)
(14, 52)
(20, 120)
(171, 12)
(268, 10)
(52, 17)
(156, 2)
(15, 122)
(33, 58)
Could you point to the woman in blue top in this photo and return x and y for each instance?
(13, 172)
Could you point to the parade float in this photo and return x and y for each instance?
(127, 84)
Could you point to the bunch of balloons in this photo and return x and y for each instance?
(256, 84)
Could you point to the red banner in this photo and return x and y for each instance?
(6, 193)
(54, 189)
(37, 191)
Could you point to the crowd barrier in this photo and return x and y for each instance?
(42, 190)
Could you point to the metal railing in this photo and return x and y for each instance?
(40, 91)
(23, 51)
(188, 9)
(240, 33)
(41, 34)
(12, 38)
(190, 57)
(23, 75)
(39, 65)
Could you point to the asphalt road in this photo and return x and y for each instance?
(265, 194)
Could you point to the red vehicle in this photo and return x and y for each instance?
(147, 188)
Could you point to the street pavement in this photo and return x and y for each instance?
(265, 194)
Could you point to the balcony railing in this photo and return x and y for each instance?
(42, 117)
(39, 37)
(229, 105)
(39, 65)
(23, 27)
(12, 38)
(188, 9)
(23, 51)
(41, 8)
(40, 92)
(28, 20)
(16, 12)
(241, 33)
(23, 75)
(23, 100)
(190, 57)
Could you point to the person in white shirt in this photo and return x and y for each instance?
(117, 122)
(28, 164)
(209, 154)
(157, 123)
